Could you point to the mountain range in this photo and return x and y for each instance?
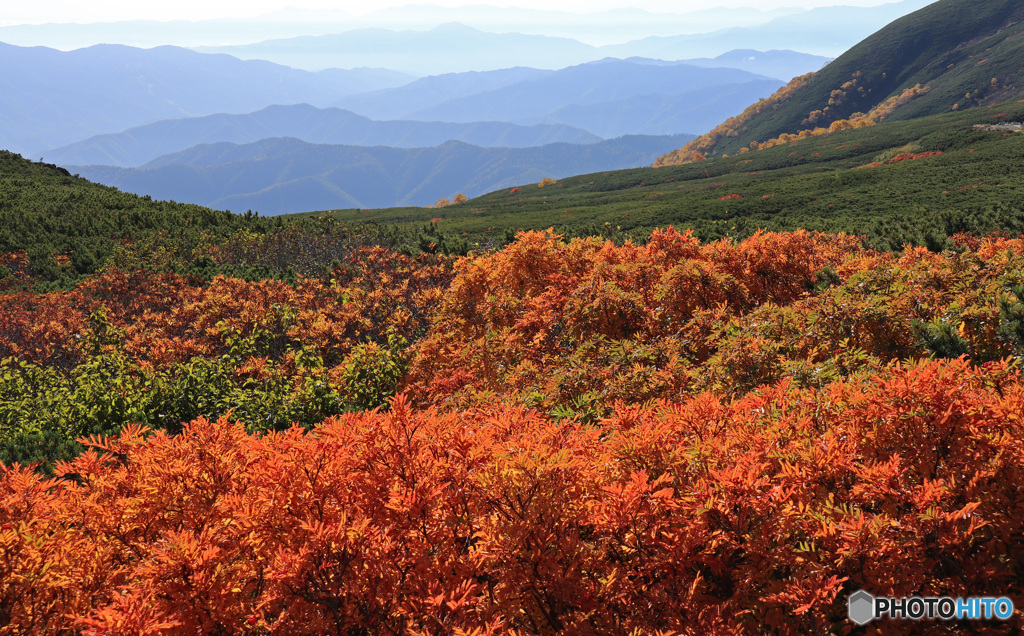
(598, 82)
(454, 96)
(139, 145)
(275, 176)
(49, 98)
(611, 97)
(593, 27)
(456, 46)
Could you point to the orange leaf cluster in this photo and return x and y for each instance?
(904, 156)
(561, 319)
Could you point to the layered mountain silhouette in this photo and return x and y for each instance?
(592, 83)
(276, 176)
(307, 123)
(536, 94)
(50, 98)
(454, 46)
(695, 112)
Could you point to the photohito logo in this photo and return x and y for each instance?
(863, 607)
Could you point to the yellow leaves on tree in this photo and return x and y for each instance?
(444, 202)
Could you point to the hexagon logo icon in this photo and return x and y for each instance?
(861, 607)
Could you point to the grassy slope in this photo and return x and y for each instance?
(816, 184)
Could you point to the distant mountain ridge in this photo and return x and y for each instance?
(694, 112)
(950, 55)
(591, 83)
(51, 98)
(292, 22)
(582, 104)
(454, 46)
(276, 176)
(423, 99)
(827, 31)
(444, 48)
(139, 145)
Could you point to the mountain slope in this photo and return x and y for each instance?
(317, 126)
(276, 176)
(50, 98)
(960, 53)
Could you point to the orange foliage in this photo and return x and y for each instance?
(705, 516)
(597, 439)
(857, 120)
(557, 320)
(14, 271)
(167, 318)
(904, 156)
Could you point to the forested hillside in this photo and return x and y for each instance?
(951, 55)
(66, 225)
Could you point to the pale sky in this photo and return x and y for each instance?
(41, 11)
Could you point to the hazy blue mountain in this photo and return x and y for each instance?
(443, 49)
(405, 101)
(276, 176)
(695, 112)
(827, 31)
(782, 65)
(401, 101)
(592, 83)
(594, 27)
(136, 146)
(488, 44)
(50, 98)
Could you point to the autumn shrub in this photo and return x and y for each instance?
(532, 317)
(159, 349)
(703, 516)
